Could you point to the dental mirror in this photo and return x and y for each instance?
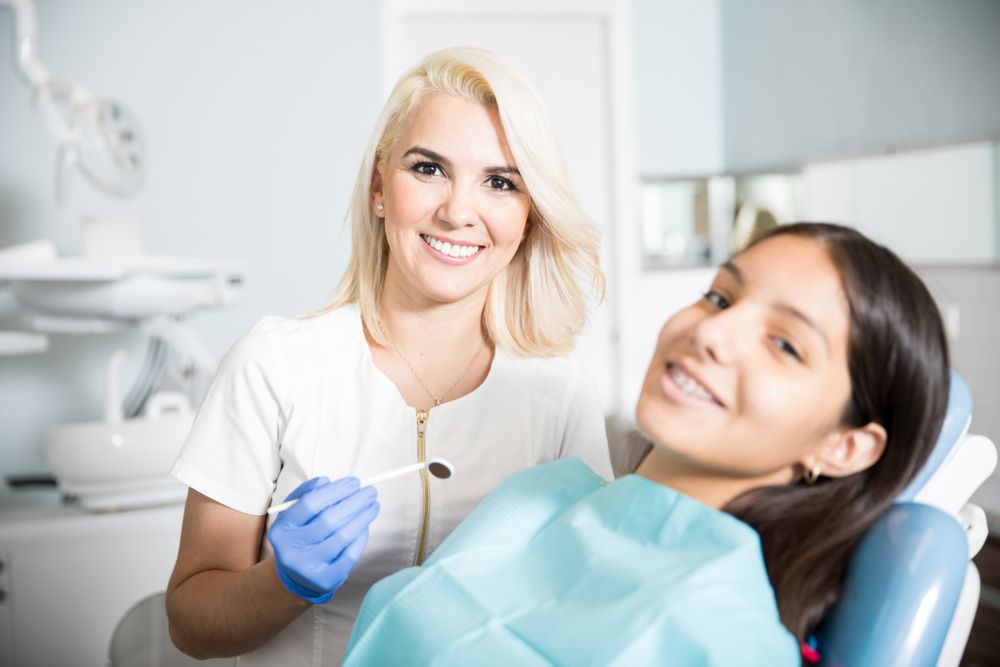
(438, 467)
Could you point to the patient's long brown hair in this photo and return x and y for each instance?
(899, 370)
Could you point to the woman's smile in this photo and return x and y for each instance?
(451, 251)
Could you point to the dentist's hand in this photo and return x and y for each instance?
(318, 540)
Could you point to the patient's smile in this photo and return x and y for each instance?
(679, 384)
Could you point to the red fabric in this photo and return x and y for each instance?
(809, 654)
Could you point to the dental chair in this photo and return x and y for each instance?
(912, 591)
(142, 639)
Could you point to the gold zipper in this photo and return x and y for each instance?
(425, 482)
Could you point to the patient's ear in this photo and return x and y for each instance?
(849, 451)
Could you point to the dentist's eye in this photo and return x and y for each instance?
(717, 300)
(500, 184)
(787, 348)
(427, 169)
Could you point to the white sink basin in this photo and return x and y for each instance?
(115, 465)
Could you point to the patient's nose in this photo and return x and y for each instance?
(720, 336)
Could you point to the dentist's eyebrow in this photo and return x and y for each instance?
(505, 170)
(427, 153)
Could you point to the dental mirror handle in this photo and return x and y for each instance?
(395, 472)
(381, 477)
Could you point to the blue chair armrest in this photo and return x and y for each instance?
(902, 587)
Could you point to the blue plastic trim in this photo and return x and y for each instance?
(956, 420)
(902, 588)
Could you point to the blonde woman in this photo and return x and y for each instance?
(447, 338)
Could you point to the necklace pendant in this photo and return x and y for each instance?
(416, 376)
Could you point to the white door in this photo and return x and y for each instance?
(576, 54)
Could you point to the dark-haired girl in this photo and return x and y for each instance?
(784, 411)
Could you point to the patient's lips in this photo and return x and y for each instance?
(682, 386)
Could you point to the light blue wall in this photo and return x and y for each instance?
(678, 87)
(828, 79)
(256, 114)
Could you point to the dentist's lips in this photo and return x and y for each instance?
(451, 251)
(683, 387)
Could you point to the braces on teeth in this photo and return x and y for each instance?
(689, 385)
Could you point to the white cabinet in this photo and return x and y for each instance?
(68, 577)
(931, 206)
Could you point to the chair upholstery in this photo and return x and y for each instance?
(901, 593)
(956, 424)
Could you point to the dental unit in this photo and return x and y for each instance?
(123, 460)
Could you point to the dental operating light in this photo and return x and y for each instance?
(97, 135)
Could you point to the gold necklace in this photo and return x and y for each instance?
(437, 400)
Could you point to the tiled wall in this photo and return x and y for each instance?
(975, 293)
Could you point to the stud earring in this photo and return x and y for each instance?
(379, 208)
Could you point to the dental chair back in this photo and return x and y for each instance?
(911, 591)
(142, 639)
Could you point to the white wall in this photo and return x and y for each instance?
(256, 114)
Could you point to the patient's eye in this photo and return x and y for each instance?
(787, 348)
(717, 299)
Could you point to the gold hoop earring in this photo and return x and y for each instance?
(810, 475)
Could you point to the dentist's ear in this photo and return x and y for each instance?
(848, 451)
(376, 193)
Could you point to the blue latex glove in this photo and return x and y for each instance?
(318, 540)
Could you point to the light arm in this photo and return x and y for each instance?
(31, 68)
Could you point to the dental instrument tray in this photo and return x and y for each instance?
(122, 289)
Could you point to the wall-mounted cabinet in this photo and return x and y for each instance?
(933, 206)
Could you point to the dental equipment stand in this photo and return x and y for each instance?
(122, 461)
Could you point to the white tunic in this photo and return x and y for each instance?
(299, 398)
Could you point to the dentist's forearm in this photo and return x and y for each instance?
(217, 613)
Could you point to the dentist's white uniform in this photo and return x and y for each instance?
(299, 398)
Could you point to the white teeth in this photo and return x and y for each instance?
(445, 248)
(689, 385)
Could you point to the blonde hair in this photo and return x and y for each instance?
(536, 305)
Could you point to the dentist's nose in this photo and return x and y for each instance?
(457, 210)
